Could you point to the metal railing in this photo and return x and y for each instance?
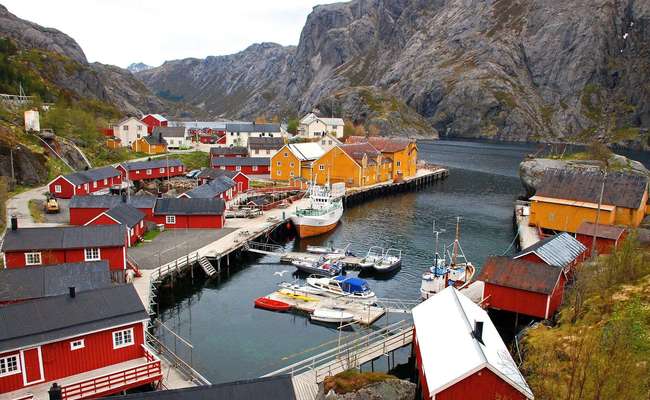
(174, 266)
(175, 361)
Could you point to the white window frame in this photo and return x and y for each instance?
(148, 172)
(121, 334)
(57, 188)
(125, 128)
(161, 170)
(32, 254)
(77, 344)
(105, 181)
(254, 167)
(238, 168)
(286, 154)
(137, 172)
(279, 173)
(170, 219)
(94, 184)
(172, 169)
(4, 363)
(321, 167)
(279, 163)
(92, 256)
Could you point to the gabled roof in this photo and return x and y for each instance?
(156, 116)
(58, 317)
(306, 151)
(253, 127)
(69, 237)
(265, 143)
(109, 201)
(243, 161)
(152, 164)
(311, 117)
(621, 189)
(443, 326)
(232, 150)
(558, 250)
(211, 173)
(155, 139)
(357, 150)
(604, 231)
(125, 214)
(384, 144)
(124, 120)
(211, 189)
(91, 175)
(52, 280)
(520, 274)
(169, 131)
(185, 206)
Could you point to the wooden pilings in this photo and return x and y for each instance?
(415, 183)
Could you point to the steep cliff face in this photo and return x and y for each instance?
(503, 69)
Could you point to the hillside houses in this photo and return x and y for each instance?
(190, 213)
(264, 146)
(312, 126)
(238, 134)
(130, 218)
(154, 120)
(152, 144)
(159, 168)
(174, 136)
(85, 182)
(129, 130)
(85, 208)
(294, 161)
(247, 165)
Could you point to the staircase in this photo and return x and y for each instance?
(207, 267)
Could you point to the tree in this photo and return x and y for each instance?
(292, 126)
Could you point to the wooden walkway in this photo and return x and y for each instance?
(528, 235)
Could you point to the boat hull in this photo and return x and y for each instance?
(384, 269)
(331, 316)
(305, 231)
(314, 225)
(272, 305)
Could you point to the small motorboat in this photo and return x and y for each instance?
(331, 315)
(321, 267)
(391, 261)
(328, 249)
(271, 305)
(375, 254)
(343, 287)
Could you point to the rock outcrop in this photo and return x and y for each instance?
(392, 389)
(499, 69)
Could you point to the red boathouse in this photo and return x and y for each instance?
(459, 353)
(184, 213)
(160, 168)
(218, 188)
(608, 237)
(247, 165)
(561, 250)
(131, 220)
(154, 120)
(208, 174)
(85, 208)
(84, 182)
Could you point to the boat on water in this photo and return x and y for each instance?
(375, 254)
(331, 315)
(322, 267)
(450, 269)
(271, 305)
(328, 250)
(346, 287)
(390, 262)
(324, 212)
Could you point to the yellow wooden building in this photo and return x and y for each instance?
(564, 200)
(402, 152)
(358, 164)
(295, 161)
(153, 144)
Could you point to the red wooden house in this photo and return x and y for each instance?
(608, 237)
(184, 213)
(90, 343)
(154, 120)
(247, 165)
(218, 188)
(84, 182)
(522, 287)
(231, 151)
(58, 245)
(130, 218)
(561, 250)
(85, 208)
(159, 168)
(208, 174)
(459, 353)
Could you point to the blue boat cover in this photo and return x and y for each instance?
(352, 285)
(439, 271)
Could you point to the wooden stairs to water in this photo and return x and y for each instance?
(207, 267)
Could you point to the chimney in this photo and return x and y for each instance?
(478, 331)
(73, 292)
(123, 197)
(14, 223)
(55, 392)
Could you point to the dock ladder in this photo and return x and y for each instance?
(207, 267)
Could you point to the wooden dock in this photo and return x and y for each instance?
(528, 235)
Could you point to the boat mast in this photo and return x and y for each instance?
(455, 253)
(435, 232)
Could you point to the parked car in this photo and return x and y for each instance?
(193, 173)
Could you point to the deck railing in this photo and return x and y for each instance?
(115, 381)
(174, 266)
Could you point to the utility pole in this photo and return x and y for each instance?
(600, 203)
(11, 157)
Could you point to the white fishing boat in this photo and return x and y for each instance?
(324, 212)
(391, 261)
(450, 269)
(322, 267)
(331, 315)
(375, 254)
(340, 286)
(329, 250)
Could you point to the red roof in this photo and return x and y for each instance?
(520, 274)
(384, 144)
(358, 150)
(604, 231)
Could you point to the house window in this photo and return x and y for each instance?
(125, 128)
(57, 188)
(321, 167)
(399, 163)
(92, 254)
(257, 152)
(141, 224)
(322, 142)
(77, 344)
(161, 170)
(33, 258)
(278, 173)
(123, 338)
(291, 173)
(95, 184)
(291, 164)
(330, 142)
(139, 127)
(148, 172)
(137, 172)
(105, 181)
(286, 154)
(9, 365)
(172, 169)
(170, 219)
(254, 167)
(238, 168)
(279, 163)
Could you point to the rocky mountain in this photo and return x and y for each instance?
(501, 69)
(137, 67)
(57, 62)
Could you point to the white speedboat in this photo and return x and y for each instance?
(329, 250)
(375, 254)
(331, 315)
(322, 267)
(391, 261)
(346, 287)
(324, 212)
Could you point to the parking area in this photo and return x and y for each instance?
(173, 244)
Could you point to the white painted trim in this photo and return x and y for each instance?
(61, 176)
(99, 215)
(72, 342)
(18, 362)
(433, 392)
(510, 382)
(40, 365)
(40, 258)
(124, 344)
(99, 254)
(548, 304)
(123, 258)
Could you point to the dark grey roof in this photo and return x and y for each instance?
(170, 131)
(69, 237)
(109, 201)
(557, 250)
(212, 189)
(265, 143)
(185, 206)
(621, 189)
(252, 127)
(270, 388)
(92, 175)
(155, 139)
(219, 161)
(54, 318)
(52, 280)
(126, 214)
(153, 164)
(211, 173)
(232, 150)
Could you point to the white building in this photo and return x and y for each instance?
(175, 136)
(238, 134)
(129, 130)
(328, 142)
(313, 126)
(264, 146)
(32, 121)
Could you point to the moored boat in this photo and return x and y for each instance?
(375, 254)
(324, 212)
(331, 315)
(271, 305)
(321, 267)
(390, 262)
(329, 250)
(340, 286)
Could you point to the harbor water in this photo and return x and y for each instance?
(232, 340)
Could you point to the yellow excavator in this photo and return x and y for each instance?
(51, 205)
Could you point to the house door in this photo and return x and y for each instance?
(240, 186)
(32, 366)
